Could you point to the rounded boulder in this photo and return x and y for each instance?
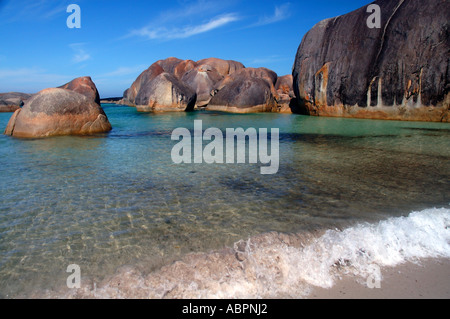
(56, 111)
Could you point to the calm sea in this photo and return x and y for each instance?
(112, 200)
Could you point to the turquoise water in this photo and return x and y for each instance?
(117, 199)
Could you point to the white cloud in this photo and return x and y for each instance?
(281, 13)
(185, 31)
(211, 25)
(182, 21)
(80, 54)
(31, 10)
(190, 10)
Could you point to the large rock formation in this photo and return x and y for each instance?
(59, 111)
(246, 91)
(159, 89)
(212, 84)
(12, 101)
(399, 71)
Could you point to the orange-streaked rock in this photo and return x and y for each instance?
(83, 85)
(396, 72)
(224, 67)
(56, 111)
(183, 67)
(286, 95)
(169, 65)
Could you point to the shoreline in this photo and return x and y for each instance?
(295, 266)
(427, 279)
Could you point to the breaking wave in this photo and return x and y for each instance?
(275, 265)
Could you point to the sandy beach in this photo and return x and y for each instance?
(428, 280)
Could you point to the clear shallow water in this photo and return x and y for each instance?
(117, 199)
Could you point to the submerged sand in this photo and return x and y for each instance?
(426, 279)
(405, 257)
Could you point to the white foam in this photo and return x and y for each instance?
(281, 266)
(424, 234)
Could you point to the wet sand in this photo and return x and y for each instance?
(428, 280)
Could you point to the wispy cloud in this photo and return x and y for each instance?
(215, 23)
(55, 11)
(186, 20)
(191, 10)
(28, 74)
(281, 13)
(80, 54)
(124, 71)
(186, 31)
(28, 10)
(30, 79)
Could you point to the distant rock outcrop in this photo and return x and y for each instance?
(286, 95)
(212, 84)
(72, 110)
(399, 71)
(12, 101)
(111, 100)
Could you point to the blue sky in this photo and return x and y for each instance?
(119, 39)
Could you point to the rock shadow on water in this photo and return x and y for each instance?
(443, 130)
(142, 134)
(321, 138)
(250, 186)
